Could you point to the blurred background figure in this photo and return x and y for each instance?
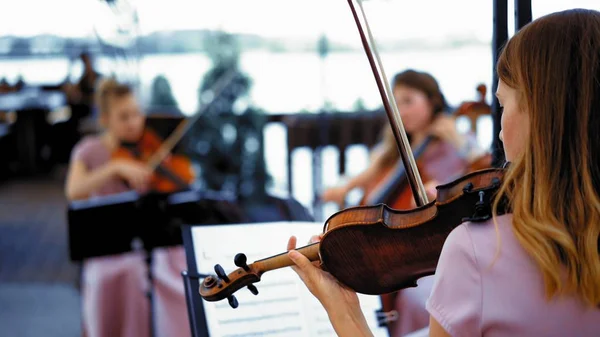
(444, 153)
(80, 100)
(81, 93)
(162, 95)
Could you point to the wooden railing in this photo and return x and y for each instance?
(340, 130)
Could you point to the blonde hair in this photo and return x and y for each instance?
(553, 187)
(109, 89)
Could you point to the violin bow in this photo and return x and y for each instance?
(389, 103)
(185, 125)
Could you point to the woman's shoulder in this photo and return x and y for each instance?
(482, 230)
(90, 141)
(462, 275)
(88, 146)
(485, 271)
(486, 239)
(484, 243)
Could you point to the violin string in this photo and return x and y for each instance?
(185, 125)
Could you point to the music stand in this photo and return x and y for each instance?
(273, 210)
(127, 222)
(191, 283)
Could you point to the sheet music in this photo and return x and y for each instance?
(283, 306)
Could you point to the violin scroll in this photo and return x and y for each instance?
(220, 286)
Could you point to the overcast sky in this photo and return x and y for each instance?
(270, 18)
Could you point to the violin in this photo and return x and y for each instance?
(392, 187)
(376, 250)
(172, 174)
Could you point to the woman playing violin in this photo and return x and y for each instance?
(91, 172)
(423, 110)
(535, 271)
(114, 300)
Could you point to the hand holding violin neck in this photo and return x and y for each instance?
(223, 286)
(282, 260)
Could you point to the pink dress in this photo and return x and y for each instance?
(442, 163)
(471, 297)
(114, 287)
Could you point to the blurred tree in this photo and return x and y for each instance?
(228, 140)
(359, 105)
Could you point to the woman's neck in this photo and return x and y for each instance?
(417, 138)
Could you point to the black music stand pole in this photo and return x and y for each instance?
(198, 323)
(150, 293)
(138, 246)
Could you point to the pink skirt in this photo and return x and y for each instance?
(114, 295)
(410, 304)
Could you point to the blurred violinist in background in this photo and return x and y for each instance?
(81, 94)
(442, 153)
(425, 115)
(114, 287)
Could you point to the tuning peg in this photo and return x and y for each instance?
(221, 273)
(233, 302)
(253, 289)
(240, 260)
(210, 282)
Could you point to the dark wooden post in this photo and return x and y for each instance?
(522, 13)
(499, 38)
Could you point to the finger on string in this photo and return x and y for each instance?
(291, 243)
(314, 238)
(291, 246)
(300, 260)
(297, 267)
